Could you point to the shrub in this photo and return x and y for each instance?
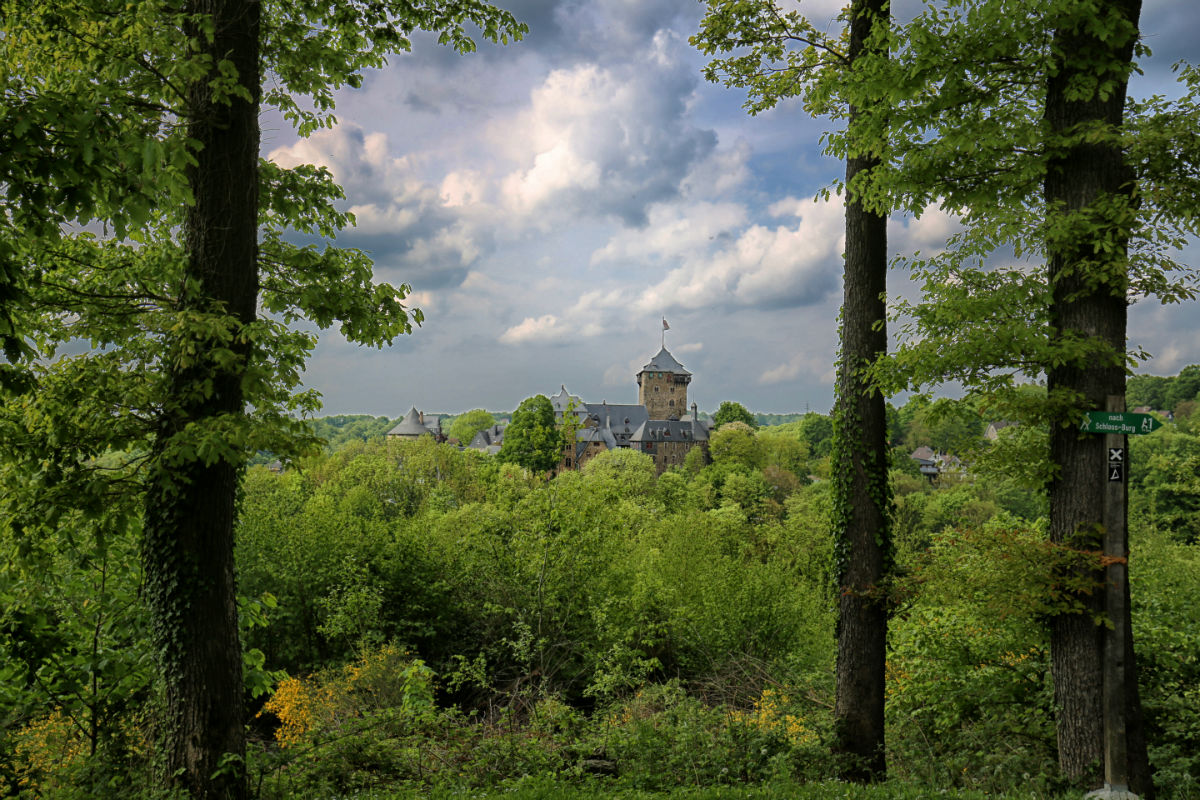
(969, 701)
(663, 737)
(353, 726)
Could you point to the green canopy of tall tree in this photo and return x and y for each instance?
(1073, 199)
(469, 423)
(532, 439)
(731, 411)
(147, 121)
(776, 54)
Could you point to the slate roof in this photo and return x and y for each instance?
(561, 400)
(411, 425)
(623, 420)
(670, 430)
(487, 438)
(665, 362)
(601, 434)
(931, 463)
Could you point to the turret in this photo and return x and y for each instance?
(662, 387)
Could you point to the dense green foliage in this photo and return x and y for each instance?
(1164, 393)
(428, 617)
(139, 218)
(417, 616)
(466, 425)
(339, 430)
(765, 420)
(532, 440)
(731, 411)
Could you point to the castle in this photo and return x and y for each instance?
(655, 426)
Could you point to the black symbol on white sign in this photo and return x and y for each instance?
(1116, 473)
(1116, 455)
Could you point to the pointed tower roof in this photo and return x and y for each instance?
(665, 362)
(410, 425)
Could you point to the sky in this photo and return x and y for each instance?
(552, 201)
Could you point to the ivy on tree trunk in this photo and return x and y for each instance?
(190, 504)
(860, 464)
(1092, 190)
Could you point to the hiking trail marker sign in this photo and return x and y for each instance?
(1125, 422)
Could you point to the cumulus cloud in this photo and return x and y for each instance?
(605, 140)
(807, 363)
(546, 328)
(675, 232)
(415, 230)
(926, 233)
(723, 262)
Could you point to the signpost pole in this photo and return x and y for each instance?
(1116, 756)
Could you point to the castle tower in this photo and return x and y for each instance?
(662, 387)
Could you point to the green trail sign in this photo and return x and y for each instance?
(1125, 422)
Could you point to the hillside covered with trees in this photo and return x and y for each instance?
(418, 615)
(788, 606)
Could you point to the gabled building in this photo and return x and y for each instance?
(655, 426)
(668, 441)
(414, 425)
(933, 464)
(993, 429)
(489, 439)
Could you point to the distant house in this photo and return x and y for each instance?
(415, 425)
(993, 429)
(932, 464)
(489, 439)
(926, 461)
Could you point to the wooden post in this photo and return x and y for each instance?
(1116, 753)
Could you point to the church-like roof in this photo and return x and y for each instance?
(410, 425)
(665, 362)
(562, 401)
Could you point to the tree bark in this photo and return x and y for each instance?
(860, 466)
(1088, 301)
(191, 504)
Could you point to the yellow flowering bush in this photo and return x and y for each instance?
(385, 678)
(47, 751)
(770, 715)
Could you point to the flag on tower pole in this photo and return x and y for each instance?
(666, 327)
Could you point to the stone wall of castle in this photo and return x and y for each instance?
(663, 394)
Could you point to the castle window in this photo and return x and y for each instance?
(671, 403)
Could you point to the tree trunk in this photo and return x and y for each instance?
(1088, 284)
(860, 467)
(190, 504)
